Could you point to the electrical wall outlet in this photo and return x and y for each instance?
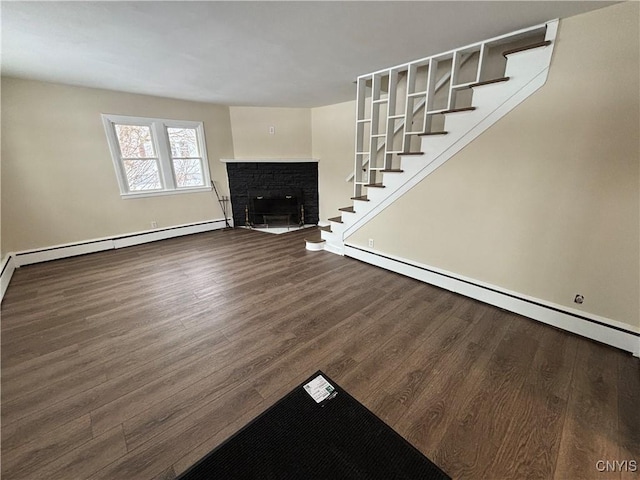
(154, 224)
(371, 243)
(272, 130)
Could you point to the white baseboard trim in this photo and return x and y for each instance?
(56, 252)
(607, 331)
(8, 267)
(329, 247)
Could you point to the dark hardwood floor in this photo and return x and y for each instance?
(134, 363)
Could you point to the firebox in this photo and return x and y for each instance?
(274, 209)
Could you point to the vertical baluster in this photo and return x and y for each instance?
(483, 50)
(374, 129)
(431, 91)
(455, 68)
(390, 120)
(361, 96)
(408, 111)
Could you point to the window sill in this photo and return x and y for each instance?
(158, 193)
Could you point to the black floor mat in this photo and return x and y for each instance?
(301, 438)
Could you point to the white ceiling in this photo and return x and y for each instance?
(296, 54)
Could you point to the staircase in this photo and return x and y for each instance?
(412, 118)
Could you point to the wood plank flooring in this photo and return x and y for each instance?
(134, 363)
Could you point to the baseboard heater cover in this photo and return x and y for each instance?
(613, 335)
(56, 252)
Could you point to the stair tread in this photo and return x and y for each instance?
(376, 185)
(362, 198)
(392, 170)
(527, 47)
(489, 82)
(347, 209)
(426, 134)
(314, 240)
(455, 110)
(326, 228)
(336, 219)
(411, 153)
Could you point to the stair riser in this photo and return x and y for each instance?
(411, 166)
(527, 63)
(463, 122)
(328, 236)
(393, 181)
(434, 145)
(362, 207)
(376, 195)
(338, 227)
(348, 218)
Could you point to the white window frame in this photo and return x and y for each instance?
(162, 147)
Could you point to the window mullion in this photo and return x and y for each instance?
(164, 155)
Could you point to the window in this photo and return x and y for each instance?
(185, 157)
(157, 157)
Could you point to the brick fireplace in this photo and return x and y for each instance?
(273, 193)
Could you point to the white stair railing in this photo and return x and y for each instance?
(439, 84)
(386, 125)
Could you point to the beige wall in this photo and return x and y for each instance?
(333, 131)
(252, 140)
(2, 250)
(58, 179)
(546, 202)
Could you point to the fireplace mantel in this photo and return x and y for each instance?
(269, 160)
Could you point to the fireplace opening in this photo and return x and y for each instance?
(275, 209)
